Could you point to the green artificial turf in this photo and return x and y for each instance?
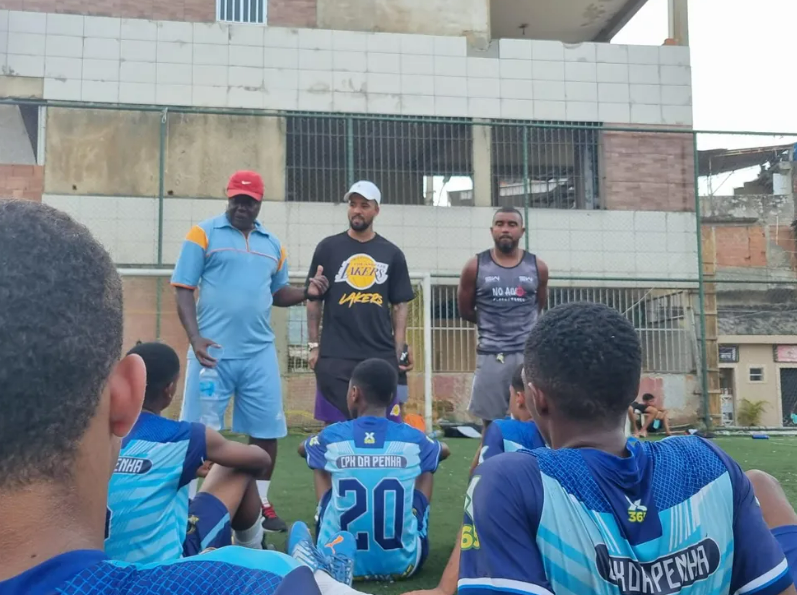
(292, 495)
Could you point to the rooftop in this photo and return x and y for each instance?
(570, 21)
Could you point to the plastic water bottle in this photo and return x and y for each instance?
(211, 412)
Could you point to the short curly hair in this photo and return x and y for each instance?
(61, 328)
(587, 359)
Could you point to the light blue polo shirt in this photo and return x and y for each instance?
(236, 277)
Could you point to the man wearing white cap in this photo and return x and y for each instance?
(365, 308)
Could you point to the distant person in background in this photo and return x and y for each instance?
(364, 311)
(406, 364)
(502, 290)
(649, 415)
(240, 270)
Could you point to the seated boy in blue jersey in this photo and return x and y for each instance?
(68, 402)
(373, 478)
(778, 514)
(151, 518)
(515, 433)
(503, 435)
(602, 513)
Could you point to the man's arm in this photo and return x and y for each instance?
(286, 295)
(466, 292)
(244, 457)
(185, 279)
(322, 482)
(759, 565)
(400, 312)
(542, 289)
(502, 514)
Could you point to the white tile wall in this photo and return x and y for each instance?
(588, 243)
(277, 68)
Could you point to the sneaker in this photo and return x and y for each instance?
(340, 551)
(271, 522)
(301, 548)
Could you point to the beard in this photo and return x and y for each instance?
(358, 224)
(506, 245)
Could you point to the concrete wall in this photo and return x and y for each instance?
(679, 394)
(102, 59)
(767, 391)
(587, 243)
(103, 152)
(753, 237)
(461, 18)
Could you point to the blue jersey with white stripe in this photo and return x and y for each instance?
(510, 435)
(148, 491)
(676, 516)
(374, 463)
(228, 571)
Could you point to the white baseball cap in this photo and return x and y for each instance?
(366, 189)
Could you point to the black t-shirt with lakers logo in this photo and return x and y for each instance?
(365, 278)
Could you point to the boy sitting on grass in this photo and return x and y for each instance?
(150, 517)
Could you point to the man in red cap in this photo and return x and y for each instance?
(240, 271)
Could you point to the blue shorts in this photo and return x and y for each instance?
(420, 508)
(208, 525)
(787, 538)
(256, 384)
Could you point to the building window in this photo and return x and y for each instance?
(550, 165)
(756, 375)
(412, 162)
(241, 11)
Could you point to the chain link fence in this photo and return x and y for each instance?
(614, 211)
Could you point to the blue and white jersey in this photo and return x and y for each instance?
(676, 516)
(510, 435)
(374, 463)
(229, 570)
(148, 492)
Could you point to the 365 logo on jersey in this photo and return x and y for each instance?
(361, 272)
(636, 511)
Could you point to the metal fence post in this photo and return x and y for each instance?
(350, 150)
(701, 290)
(161, 206)
(427, 350)
(526, 183)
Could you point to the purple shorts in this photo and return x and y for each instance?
(328, 413)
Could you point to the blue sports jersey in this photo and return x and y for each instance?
(374, 463)
(227, 571)
(148, 492)
(510, 435)
(676, 516)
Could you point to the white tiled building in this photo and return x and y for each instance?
(414, 94)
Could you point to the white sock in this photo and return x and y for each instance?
(262, 489)
(251, 537)
(192, 488)
(329, 586)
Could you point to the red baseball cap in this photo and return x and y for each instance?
(248, 183)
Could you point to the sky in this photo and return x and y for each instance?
(741, 62)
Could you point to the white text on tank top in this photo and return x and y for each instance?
(506, 303)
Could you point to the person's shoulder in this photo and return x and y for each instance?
(155, 428)
(406, 433)
(685, 465)
(513, 467)
(231, 568)
(384, 242)
(337, 432)
(333, 240)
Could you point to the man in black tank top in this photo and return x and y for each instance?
(502, 290)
